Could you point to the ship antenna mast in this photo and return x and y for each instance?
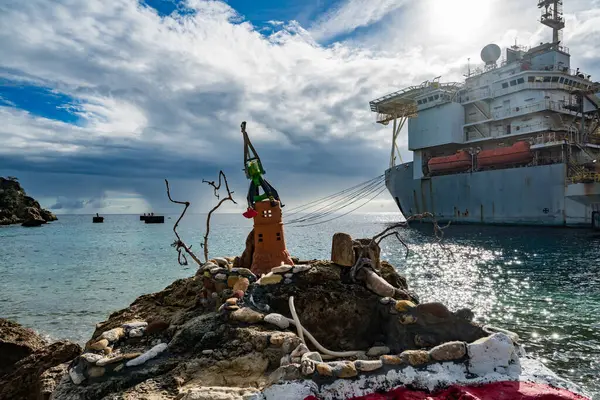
(552, 16)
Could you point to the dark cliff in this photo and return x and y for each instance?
(18, 208)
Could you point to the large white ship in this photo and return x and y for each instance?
(518, 142)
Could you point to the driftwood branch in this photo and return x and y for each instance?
(179, 244)
(438, 231)
(228, 198)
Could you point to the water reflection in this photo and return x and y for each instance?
(542, 283)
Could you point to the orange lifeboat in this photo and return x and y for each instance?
(459, 162)
(518, 153)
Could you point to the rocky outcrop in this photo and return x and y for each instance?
(226, 333)
(24, 382)
(18, 208)
(16, 343)
(29, 367)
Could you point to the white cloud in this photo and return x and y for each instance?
(352, 14)
(158, 95)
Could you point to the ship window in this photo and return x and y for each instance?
(520, 80)
(419, 101)
(555, 79)
(531, 79)
(504, 85)
(437, 96)
(561, 80)
(547, 78)
(430, 98)
(513, 83)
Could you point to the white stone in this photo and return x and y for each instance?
(282, 269)
(489, 354)
(278, 320)
(221, 277)
(368, 365)
(150, 354)
(91, 357)
(308, 367)
(137, 332)
(76, 375)
(386, 300)
(300, 350)
(301, 268)
(311, 355)
(221, 261)
(288, 275)
(207, 352)
(134, 325)
(113, 335)
(377, 351)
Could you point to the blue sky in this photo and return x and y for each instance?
(100, 101)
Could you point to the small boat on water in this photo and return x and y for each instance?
(154, 219)
(97, 219)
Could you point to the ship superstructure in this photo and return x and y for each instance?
(517, 142)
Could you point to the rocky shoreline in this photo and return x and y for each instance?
(298, 331)
(18, 208)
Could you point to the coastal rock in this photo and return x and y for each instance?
(378, 351)
(91, 358)
(221, 262)
(270, 279)
(415, 357)
(324, 369)
(390, 360)
(368, 365)
(155, 327)
(134, 324)
(150, 354)
(114, 360)
(278, 320)
(286, 373)
(18, 208)
(311, 355)
(490, 354)
(300, 350)
(26, 373)
(282, 269)
(404, 305)
(247, 315)
(448, 351)
(300, 268)
(16, 343)
(138, 332)
(113, 335)
(48, 381)
(343, 369)
(32, 217)
(99, 345)
(342, 250)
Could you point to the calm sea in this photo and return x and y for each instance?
(63, 278)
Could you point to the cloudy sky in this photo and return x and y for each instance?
(102, 100)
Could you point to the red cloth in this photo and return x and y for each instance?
(507, 390)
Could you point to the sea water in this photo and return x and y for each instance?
(543, 283)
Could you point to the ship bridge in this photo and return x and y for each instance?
(403, 104)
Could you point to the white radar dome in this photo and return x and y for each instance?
(490, 53)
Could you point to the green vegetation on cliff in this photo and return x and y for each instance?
(18, 208)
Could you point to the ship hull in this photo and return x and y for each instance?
(534, 196)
